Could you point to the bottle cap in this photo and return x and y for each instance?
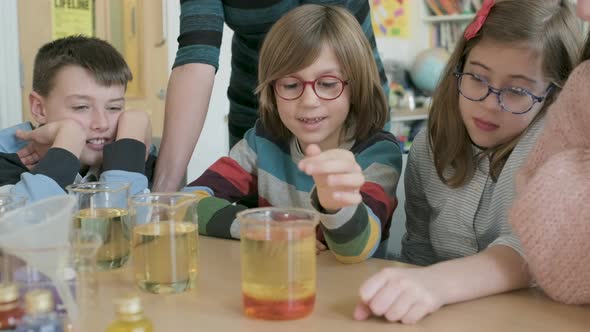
(39, 301)
(128, 305)
(8, 292)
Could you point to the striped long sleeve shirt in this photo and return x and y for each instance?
(201, 28)
(262, 167)
(445, 223)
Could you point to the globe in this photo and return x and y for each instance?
(428, 68)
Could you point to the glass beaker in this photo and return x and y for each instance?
(8, 202)
(278, 260)
(102, 209)
(164, 246)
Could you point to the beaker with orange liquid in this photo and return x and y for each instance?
(278, 260)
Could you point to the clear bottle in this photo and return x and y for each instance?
(130, 317)
(40, 315)
(10, 311)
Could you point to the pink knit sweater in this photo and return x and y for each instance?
(552, 212)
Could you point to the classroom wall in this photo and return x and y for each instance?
(405, 50)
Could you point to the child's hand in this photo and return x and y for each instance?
(66, 134)
(337, 176)
(135, 124)
(28, 156)
(399, 294)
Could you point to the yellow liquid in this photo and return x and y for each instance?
(141, 325)
(112, 226)
(278, 272)
(165, 256)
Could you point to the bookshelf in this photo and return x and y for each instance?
(451, 9)
(406, 123)
(405, 114)
(442, 30)
(447, 20)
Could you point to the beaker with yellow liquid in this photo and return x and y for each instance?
(164, 246)
(102, 210)
(278, 261)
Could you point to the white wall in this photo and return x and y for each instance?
(10, 83)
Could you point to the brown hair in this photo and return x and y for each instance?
(549, 25)
(586, 49)
(95, 55)
(296, 40)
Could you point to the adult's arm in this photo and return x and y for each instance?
(187, 102)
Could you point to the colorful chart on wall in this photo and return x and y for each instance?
(391, 18)
(72, 17)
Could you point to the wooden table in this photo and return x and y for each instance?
(216, 304)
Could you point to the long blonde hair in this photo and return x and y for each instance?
(550, 25)
(296, 40)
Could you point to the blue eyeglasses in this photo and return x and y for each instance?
(513, 100)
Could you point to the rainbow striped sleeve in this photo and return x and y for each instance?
(229, 180)
(355, 232)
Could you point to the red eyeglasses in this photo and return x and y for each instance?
(325, 87)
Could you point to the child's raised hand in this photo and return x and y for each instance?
(337, 176)
(399, 294)
(135, 124)
(66, 134)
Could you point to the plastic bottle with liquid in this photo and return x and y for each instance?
(40, 313)
(130, 316)
(10, 311)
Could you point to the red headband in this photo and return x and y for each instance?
(480, 19)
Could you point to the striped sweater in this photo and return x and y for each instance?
(264, 168)
(201, 27)
(446, 223)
